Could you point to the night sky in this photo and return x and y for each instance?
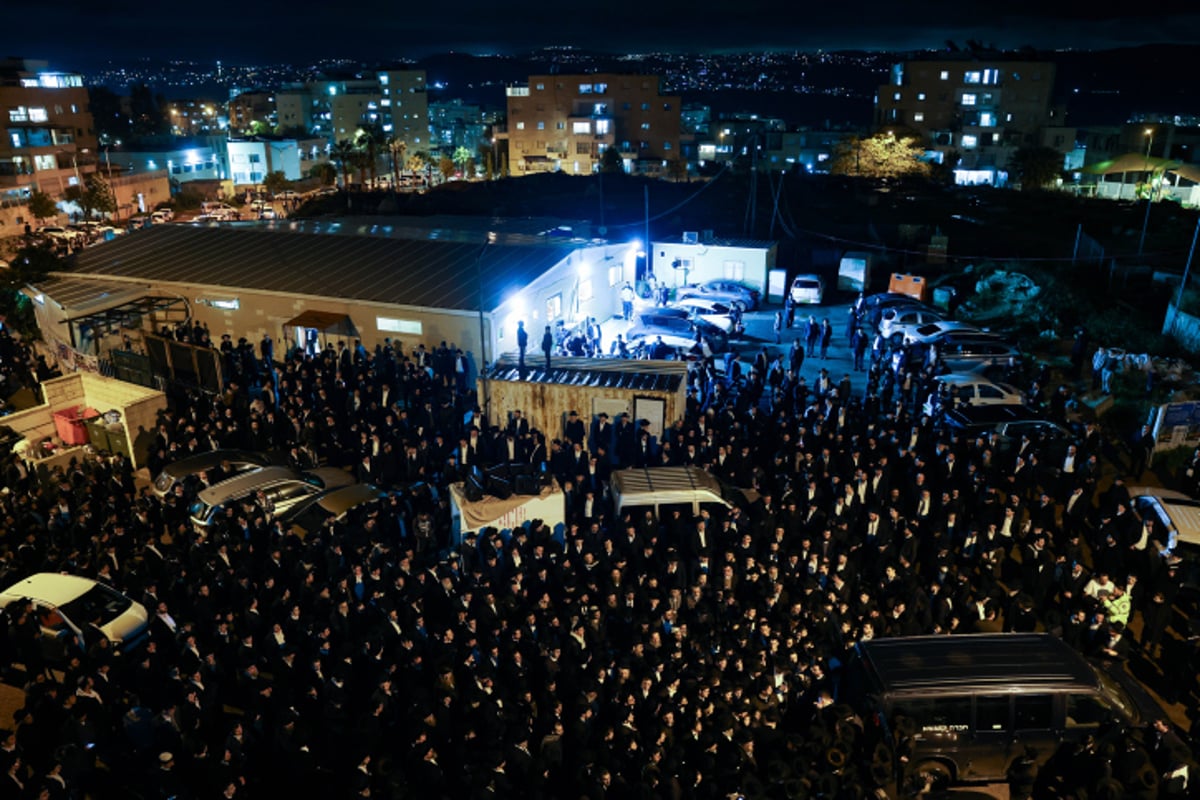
(86, 33)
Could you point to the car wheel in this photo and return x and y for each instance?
(934, 774)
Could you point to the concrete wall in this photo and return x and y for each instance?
(709, 261)
(138, 405)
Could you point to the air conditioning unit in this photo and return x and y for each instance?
(691, 237)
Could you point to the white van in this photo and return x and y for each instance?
(655, 487)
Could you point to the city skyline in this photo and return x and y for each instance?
(277, 31)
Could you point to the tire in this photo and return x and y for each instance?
(936, 774)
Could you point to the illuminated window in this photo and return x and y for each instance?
(38, 115)
(945, 75)
(541, 125)
(541, 87)
(645, 106)
(585, 88)
(968, 100)
(896, 96)
(971, 77)
(520, 126)
(1008, 117)
(601, 88)
(969, 140)
(18, 114)
(666, 145)
(554, 307)
(645, 126)
(987, 119)
(919, 116)
(44, 162)
(585, 290)
(920, 95)
(391, 325)
(602, 127)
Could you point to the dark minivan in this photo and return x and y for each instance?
(966, 706)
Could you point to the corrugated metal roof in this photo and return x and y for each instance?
(81, 295)
(427, 274)
(609, 373)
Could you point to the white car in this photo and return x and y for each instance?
(932, 331)
(162, 215)
(808, 289)
(66, 604)
(970, 389)
(896, 322)
(288, 194)
(58, 232)
(714, 312)
(724, 290)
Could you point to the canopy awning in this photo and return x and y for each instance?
(1130, 162)
(1189, 172)
(128, 315)
(331, 323)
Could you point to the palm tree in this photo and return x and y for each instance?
(343, 153)
(367, 139)
(397, 147)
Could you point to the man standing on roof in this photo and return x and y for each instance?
(547, 345)
(522, 344)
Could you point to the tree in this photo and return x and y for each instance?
(396, 148)
(324, 172)
(30, 265)
(447, 167)
(41, 206)
(611, 161)
(258, 128)
(367, 140)
(416, 163)
(883, 155)
(343, 153)
(275, 182)
(462, 156)
(1037, 167)
(94, 196)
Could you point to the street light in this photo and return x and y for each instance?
(1149, 189)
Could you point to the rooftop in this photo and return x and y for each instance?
(408, 272)
(610, 373)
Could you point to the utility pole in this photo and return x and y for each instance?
(649, 248)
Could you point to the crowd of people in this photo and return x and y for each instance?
(621, 657)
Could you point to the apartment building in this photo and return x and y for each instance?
(566, 122)
(980, 110)
(336, 107)
(248, 108)
(50, 140)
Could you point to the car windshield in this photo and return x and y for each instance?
(99, 601)
(806, 284)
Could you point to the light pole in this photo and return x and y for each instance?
(1149, 189)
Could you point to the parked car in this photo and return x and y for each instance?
(1178, 518)
(874, 305)
(66, 604)
(325, 191)
(808, 289)
(282, 487)
(1008, 425)
(226, 463)
(933, 331)
(976, 353)
(162, 215)
(724, 290)
(58, 233)
(287, 194)
(897, 321)
(965, 389)
(310, 515)
(678, 334)
(714, 312)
